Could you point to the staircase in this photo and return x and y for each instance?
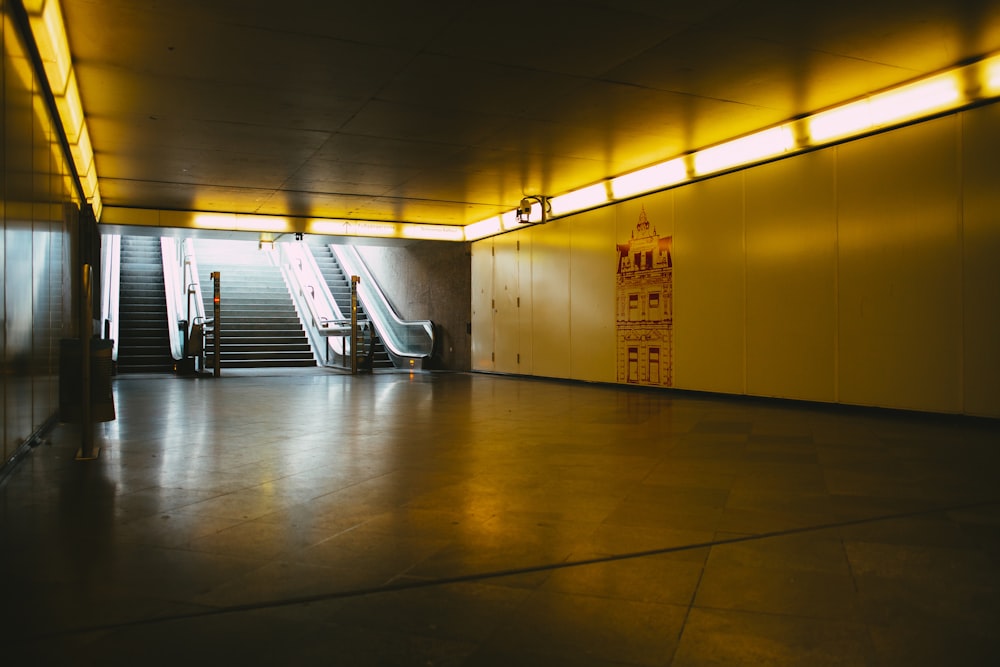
(143, 336)
(340, 289)
(260, 326)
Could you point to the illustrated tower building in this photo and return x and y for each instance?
(645, 307)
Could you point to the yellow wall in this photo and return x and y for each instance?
(866, 273)
(980, 297)
(37, 211)
(791, 230)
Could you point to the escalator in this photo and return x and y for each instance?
(143, 336)
(339, 284)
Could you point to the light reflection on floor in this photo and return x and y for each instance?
(481, 520)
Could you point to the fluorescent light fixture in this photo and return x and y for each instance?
(578, 200)
(97, 203)
(89, 181)
(71, 110)
(840, 122)
(916, 99)
(991, 75)
(649, 179)
(483, 228)
(510, 221)
(332, 227)
(261, 223)
(433, 232)
(49, 32)
(904, 103)
(750, 148)
(215, 220)
(83, 152)
(366, 228)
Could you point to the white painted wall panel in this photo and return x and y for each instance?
(900, 269)
(792, 278)
(709, 287)
(506, 320)
(981, 277)
(866, 273)
(482, 305)
(592, 296)
(525, 280)
(550, 299)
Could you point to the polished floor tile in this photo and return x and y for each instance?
(307, 517)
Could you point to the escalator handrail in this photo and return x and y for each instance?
(312, 298)
(110, 288)
(388, 325)
(192, 287)
(172, 284)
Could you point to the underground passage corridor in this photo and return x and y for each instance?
(298, 516)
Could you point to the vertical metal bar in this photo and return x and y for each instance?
(86, 332)
(217, 317)
(354, 324)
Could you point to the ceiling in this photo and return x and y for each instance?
(450, 111)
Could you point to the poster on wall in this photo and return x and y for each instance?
(644, 310)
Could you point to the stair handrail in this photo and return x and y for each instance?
(404, 339)
(192, 287)
(326, 325)
(110, 289)
(173, 267)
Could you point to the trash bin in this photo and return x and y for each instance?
(102, 401)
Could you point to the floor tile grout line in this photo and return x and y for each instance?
(690, 606)
(496, 574)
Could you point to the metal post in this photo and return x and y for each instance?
(354, 324)
(217, 317)
(86, 326)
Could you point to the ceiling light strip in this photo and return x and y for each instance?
(48, 31)
(912, 102)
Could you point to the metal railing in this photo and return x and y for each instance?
(173, 268)
(186, 319)
(110, 289)
(198, 323)
(327, 328)
(409, 342)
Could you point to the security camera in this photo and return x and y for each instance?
(528, 204)
(524, 209)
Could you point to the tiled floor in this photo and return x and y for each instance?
(459, 519)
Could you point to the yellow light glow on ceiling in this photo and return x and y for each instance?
(751, 148)
(649, 179)
(904, 103)
(578, 200)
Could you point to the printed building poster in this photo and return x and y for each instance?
(645, 307)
